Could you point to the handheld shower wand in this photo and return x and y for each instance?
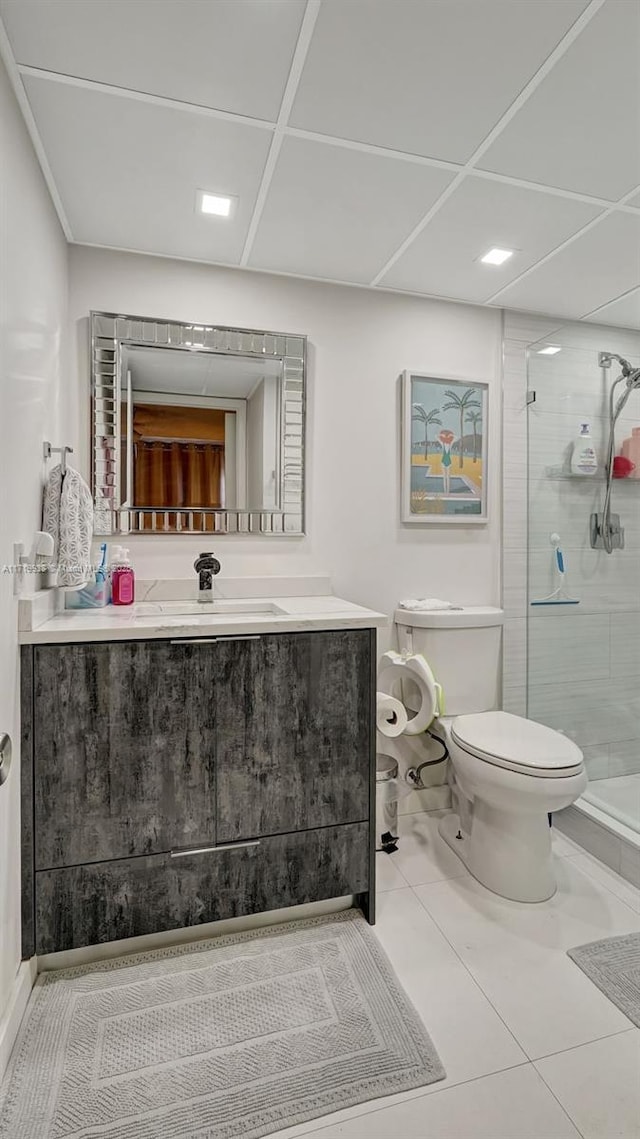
(606, 531)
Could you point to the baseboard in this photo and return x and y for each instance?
(602, 837)
(91, 954)
(14, 1011)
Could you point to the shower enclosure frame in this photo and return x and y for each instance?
(601, 834)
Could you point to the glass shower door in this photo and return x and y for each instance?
(583, 604)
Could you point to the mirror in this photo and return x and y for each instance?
(197, 429)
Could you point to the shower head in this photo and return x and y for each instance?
(605, 358)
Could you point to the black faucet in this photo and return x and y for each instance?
(206, 567)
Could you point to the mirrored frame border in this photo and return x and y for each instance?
(109, 331)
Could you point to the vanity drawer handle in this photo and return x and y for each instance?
(213, 849)
(5, 757)
(214, 640)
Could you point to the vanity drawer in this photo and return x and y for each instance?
(107, 901)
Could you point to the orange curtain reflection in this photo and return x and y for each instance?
(178, 475)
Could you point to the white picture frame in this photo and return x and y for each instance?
(444, 450)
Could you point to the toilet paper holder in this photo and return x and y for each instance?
(398, 667)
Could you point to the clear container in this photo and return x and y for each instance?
(94, 595)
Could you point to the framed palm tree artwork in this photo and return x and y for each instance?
(444, 449)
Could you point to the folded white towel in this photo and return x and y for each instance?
(68, 517)
(427, 604)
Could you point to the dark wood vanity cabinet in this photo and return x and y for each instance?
(170, 783)
(124, 749)
(292, 746)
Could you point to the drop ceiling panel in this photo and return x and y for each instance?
(625, 312)
(234, 55)
(580, 130)
(340, 213)
(417, 77)
(199, 373)
(128, 171)
(481, 214)
(426, 78)
(600, 265)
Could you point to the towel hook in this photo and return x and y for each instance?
(48, 451)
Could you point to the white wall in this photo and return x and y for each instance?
(33, 332)
(359, 342)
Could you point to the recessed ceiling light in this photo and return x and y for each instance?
(550, 350)
(497, 256)
(216, 205)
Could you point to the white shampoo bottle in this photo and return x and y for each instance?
(584, 460)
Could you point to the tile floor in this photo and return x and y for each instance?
(532, 1049)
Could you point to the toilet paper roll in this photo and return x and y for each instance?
(391, 715)
(395, 667)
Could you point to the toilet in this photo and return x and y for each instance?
(507, 773)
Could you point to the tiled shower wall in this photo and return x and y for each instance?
(581, 663)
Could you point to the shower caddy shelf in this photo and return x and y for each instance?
(556, 474)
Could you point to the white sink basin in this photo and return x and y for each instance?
(204, 609)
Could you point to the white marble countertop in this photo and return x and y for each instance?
(147, 620)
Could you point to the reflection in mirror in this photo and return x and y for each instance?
(198, 430)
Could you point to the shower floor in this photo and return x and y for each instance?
(618, 797)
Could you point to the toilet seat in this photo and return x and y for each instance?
(396, 667)
(511, 742)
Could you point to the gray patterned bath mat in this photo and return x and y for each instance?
(236, 1036)
(614, 966)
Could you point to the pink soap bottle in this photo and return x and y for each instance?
(631, 450)
(122, 578)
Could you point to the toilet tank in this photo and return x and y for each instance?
(463, 647)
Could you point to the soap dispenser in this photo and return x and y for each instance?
(583, 457)
(122, 578)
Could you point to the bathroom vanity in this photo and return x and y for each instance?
(178, 770)
(184, 763)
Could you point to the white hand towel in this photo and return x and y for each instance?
(68, 517)
(427, 604)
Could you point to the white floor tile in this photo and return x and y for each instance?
(423, 856)
(388, 877)
(601, 873)
(469, 1036)
(517, 953)
(510, 1105)
(598, 1085)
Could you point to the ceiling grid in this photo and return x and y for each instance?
(369, 144)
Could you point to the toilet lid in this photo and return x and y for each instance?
(519, 744)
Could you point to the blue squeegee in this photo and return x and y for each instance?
(558, 597)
